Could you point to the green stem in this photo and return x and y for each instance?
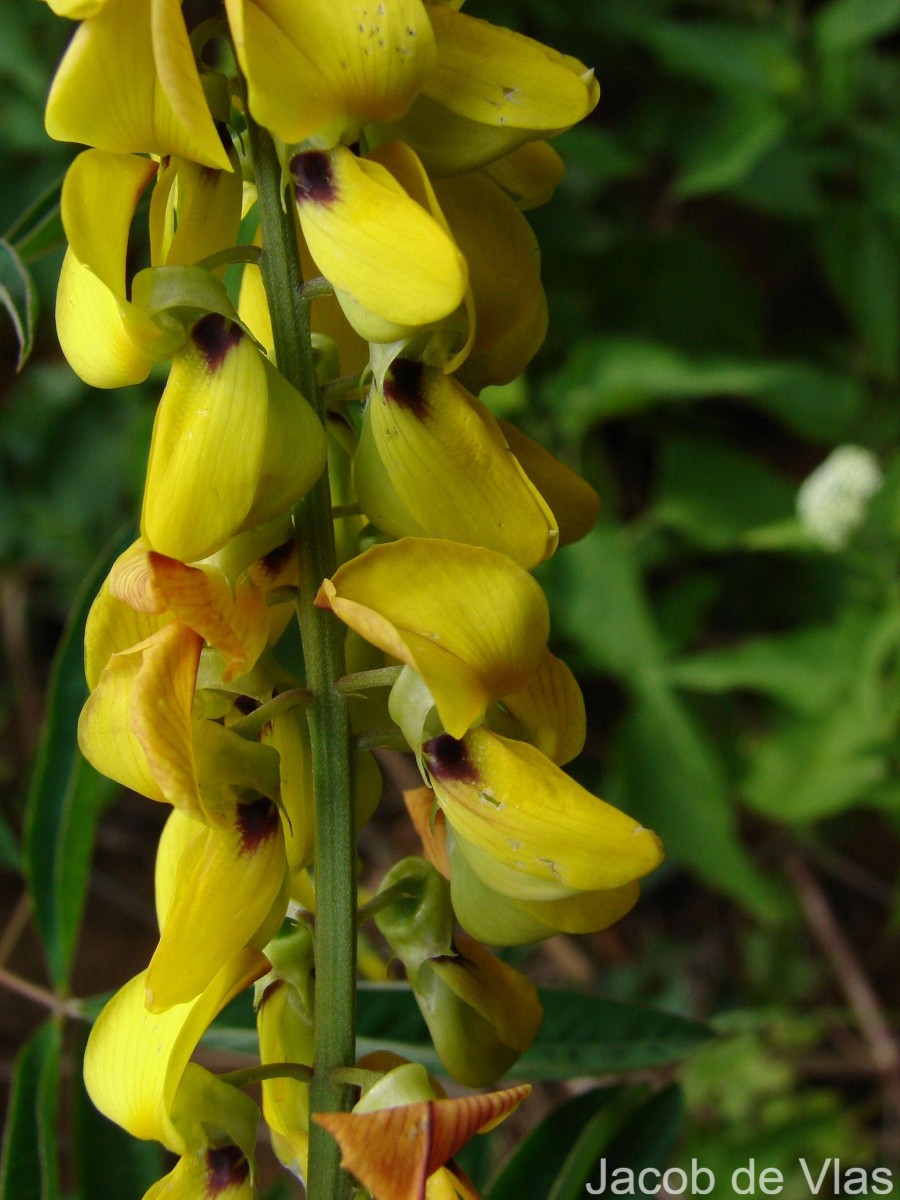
(279, 1070)
(250, 726)
(352, 685)
(323, 652)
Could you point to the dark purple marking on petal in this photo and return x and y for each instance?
(226, 1167)
(273, 562)
(448, 760)
(404, 384)
(313, 177)
(257, 821)
(246, 705)
(215, 337)
(224, 137)
(270, 991)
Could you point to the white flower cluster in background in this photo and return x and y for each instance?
(832, 501)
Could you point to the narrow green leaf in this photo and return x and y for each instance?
(847, 24)
(29, 1169)
(110, 1164)
(715, 494)
(672, 778)
(66, 795)
(595, 1138)
(614, 376)
(600, 607)
(40, 225)
(737, 134)
(861, 258)
(18, 297)
(581, 1034)
(533, 1166)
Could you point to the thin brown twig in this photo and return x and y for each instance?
(15, 927)
(881, 1043)
(39, 995)
(854, 982)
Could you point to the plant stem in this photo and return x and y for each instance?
(280, 1070)
(323, 652)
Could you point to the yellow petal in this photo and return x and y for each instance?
(504, 274)
(135, 1059)
(529, 830)
(575, 504)
(502, 921)
(208, 209)
(208, 442)
(122, 615)
(108, 341)
(551, 710)
(76, 10)
(293, 454)
(135, 726)
(128, 83)
(498, 77)
(226, 883)
(393, 1151)
(233, 622)
(218, 1173)
(332, 67)
(433, 462)
(373, 242)
(476, 637)
(529, 175)
(178, 833)
(286, 1035)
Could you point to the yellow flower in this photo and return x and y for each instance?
(137, 1069)
(491, 91)
(286, 1035)
(525, 827)
(393, 265)
(399, 1139)
(324, 70)
(471, 622)
(233, 446)
(109, 339)
(129, 83)
(433, 462)
(228, 890)
(218, 1173)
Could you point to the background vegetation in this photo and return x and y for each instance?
(723, 270)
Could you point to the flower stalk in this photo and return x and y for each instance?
(323, 650)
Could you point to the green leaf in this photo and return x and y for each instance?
(736, 135)
(847, 24)
(590, 1145)
(28, 1168)
(66, 795)
(533, 1166)
(860, 254)
(599, 606)
(716, 495)
(110, 1164)
(671, 777)
(814, 767)
(805, 670)
(581, 1035)
(39, 227)
(18, 297)
(613, 377)
(726, 56)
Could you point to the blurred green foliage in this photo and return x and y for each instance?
(723, 270)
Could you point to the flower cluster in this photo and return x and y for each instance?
(411, 138)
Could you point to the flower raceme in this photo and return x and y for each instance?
(410, 139)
